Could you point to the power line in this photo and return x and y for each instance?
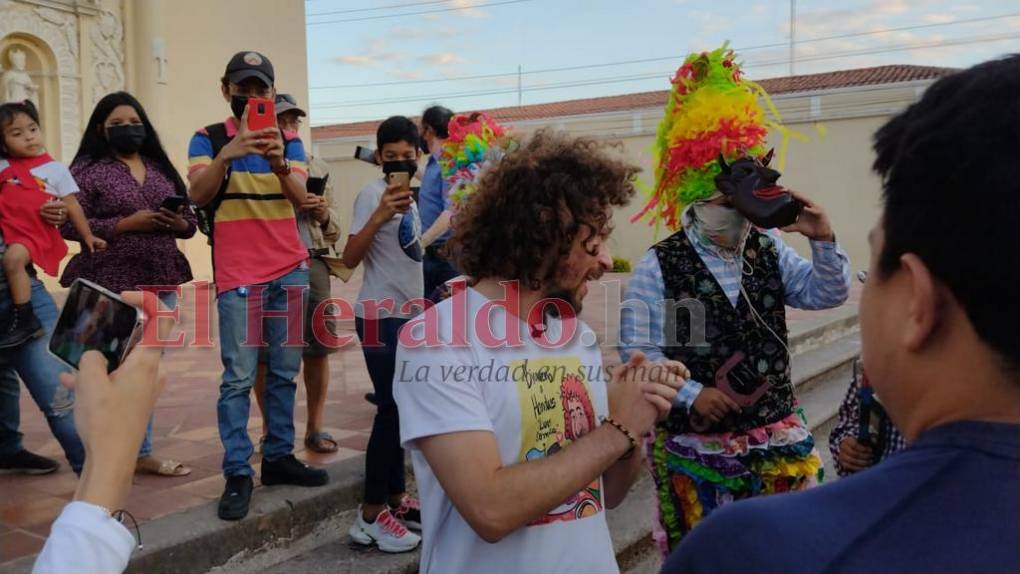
(664, 58)
(377, 8)
(619, 79)
(435, 11)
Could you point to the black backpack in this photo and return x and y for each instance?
(207, 213)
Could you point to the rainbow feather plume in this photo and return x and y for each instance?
(712, 111)
(475, 142)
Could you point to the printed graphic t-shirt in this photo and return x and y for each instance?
(393, 260)
(535, 401)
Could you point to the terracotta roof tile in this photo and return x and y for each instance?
(787, 84)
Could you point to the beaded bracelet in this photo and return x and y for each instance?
(627, 433)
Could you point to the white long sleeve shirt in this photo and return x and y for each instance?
(85, 539)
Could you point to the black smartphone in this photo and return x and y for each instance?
(365, 154)
(317, 185)
(94, 318)
(173, 203)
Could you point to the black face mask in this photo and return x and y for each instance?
(424, 145)
(126, 138)
(237, 105)
(405, 165)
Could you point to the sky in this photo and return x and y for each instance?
(369, 59)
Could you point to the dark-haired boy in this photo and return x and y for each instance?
(386, 235)
(254, 179)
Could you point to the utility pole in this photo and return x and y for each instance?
(518, 85)
(793, 30)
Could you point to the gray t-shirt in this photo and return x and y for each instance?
(393, 261)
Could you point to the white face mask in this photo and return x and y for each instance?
(723, 226)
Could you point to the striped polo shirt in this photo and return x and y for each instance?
(255, 236)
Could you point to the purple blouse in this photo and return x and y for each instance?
(108, 194)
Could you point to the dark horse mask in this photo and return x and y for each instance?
(751, 187)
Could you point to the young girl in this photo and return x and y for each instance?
(29, 177)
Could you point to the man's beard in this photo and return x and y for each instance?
(567, 295)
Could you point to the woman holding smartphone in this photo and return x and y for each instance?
(134, 199)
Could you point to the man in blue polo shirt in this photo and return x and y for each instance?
(434, 199)
(938, 321)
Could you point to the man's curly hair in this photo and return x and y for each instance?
(528, 208)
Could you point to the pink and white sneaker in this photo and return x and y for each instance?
(409, 512)
(386, 532)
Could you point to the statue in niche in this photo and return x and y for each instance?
(15, 84)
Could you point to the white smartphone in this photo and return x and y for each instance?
(94, 318)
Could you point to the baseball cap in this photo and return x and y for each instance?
(248, 64)
(287, 103)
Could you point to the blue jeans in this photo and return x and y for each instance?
(240, 362)
(41, 373)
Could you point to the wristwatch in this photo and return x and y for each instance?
(284, 170)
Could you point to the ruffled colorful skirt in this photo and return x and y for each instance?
(696, 473)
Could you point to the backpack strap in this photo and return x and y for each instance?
(218, 138)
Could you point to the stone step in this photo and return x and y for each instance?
(820, 374)
(821, 377)
(327, 550)
(287, 522)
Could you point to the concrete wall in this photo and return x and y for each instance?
(833, 167)
(198, 37)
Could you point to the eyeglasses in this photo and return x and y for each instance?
(862, 276)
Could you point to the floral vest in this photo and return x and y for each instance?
(737, 355)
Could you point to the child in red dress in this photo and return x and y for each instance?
(29, 178)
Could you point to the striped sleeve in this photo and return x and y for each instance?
(822, 283)
(641, 314)
(200, 152)
(294, 151)
(642, 320)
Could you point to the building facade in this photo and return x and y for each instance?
(836, 113)
(65, 55)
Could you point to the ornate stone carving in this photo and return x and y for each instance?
(15, 83)
(59, 32)
(107, 37)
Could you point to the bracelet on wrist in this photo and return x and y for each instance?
(630, 436)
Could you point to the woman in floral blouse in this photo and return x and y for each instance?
(124, 175)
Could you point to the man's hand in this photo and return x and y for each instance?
(854, 456)
(395, 200)
(316, 208)
(713, 404)
(247, 142)
(53, 212)
(635, 399)
(272, 148)
(664, 380)
(813, 223)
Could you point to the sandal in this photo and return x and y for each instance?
(314, 442)
(166, 468)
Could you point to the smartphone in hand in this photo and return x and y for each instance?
(95, 319)
(401, 177)
(261, 114)
(317, 185)
(173, 203)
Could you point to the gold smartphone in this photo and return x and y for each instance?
(401, 177)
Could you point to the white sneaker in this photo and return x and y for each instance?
(386, 532)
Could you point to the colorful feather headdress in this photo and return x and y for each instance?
(712, 110)
(475, 142)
